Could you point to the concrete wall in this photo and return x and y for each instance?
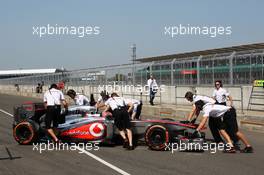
(167, 95)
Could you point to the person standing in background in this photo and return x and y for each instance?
(220, 95)
(153, 87)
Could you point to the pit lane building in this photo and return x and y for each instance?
(26, 72)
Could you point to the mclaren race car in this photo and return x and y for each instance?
(84, 124)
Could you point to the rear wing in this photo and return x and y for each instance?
(29, 110)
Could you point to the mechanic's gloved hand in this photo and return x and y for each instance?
(196, 134)
(193, 121)
(185, 121)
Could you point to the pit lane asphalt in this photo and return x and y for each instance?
(140, 161)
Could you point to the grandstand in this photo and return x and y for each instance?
(237, 65)
(233, 65)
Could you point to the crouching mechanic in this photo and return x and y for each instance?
(121, 118)
(100, 104)
(52, 100)
(136, 107)
(207, 100)
(225, 119)
(79, 99)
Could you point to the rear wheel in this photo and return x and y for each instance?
(157, 137)
(25, 132)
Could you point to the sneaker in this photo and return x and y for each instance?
(237, 147)
(130, 147)
(232, 150)
(247, 149)
(125, 144)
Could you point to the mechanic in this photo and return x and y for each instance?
(136, 107)
(121, 118)
(92, 100)
(100, 104)
(52, 100)
(194, 98)
(79, 99)
(220, 95)
(229, 121)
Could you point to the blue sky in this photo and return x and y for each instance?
(121, 23)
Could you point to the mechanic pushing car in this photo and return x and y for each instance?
(121, 118)
(52, 101)
(194, 98)
(79, 99)
(212, 120)
(221, 96)
(100, 104)
(228, 114)
(136, 107)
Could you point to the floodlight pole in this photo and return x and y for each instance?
(134, 56)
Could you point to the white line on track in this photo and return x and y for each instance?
(7, 113)
(102, 161)
(87, 153)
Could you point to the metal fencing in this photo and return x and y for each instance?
(236, 68)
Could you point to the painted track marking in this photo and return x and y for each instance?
(87, 153)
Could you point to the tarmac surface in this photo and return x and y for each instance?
(18, 159)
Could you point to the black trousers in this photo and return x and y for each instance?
(121, 118)
(213, 122)
(52, 116)
(230, 122)
(138, 113)
(213, 126)
(214, 129)
(151, 95)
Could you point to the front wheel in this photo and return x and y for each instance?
(157, 137)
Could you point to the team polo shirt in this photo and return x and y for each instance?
(130, 100)
(53, 97)
(213, 110)
(81, 100)
(205, 99)
(220, 95)
(115, 102)
(134, 102)
(152, 84)
(100, 99)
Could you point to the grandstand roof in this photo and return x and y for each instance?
(204, 52)
(27, 71)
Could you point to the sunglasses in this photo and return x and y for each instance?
(217, 84)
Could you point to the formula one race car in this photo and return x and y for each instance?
(83, 124)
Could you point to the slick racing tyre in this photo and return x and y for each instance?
(25, 132)
(157, 137)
